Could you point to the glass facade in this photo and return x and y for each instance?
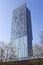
(19, 27)
(21, 47)
(21, 33)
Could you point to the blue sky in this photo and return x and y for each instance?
(6, 8)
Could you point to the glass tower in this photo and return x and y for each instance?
(21, 31)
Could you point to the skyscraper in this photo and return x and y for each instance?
(21, 31)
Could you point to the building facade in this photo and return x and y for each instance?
(21, 31)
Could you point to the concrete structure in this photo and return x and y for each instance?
(21, 31)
